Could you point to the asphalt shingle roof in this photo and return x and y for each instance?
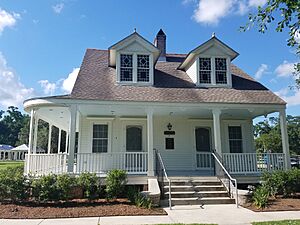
(97, 81)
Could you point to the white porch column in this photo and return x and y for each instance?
(59, 140)
(217, 130)
(150, 143)
(284, 138)
(30, 138)
(49, 138)
(72, 134)
(36, 123)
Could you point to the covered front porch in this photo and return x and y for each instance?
(99, 136)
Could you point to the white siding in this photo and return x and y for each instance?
(192, 72)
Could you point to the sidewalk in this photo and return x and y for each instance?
(218, 214)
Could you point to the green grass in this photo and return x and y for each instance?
(281, 222)
(187, 224)
(5, 164)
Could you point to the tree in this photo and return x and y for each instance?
(270, 138)
(288, 19)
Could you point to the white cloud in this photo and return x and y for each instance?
(285, 69)
(256, 3)
(12, 91)
(68, 83)
(263, 69)
(210, 12)
(7, 19)
(48, 87)
(292, 97)
(58, 8)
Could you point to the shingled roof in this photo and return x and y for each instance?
(97, 81)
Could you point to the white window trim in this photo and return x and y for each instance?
(109, 138)
(213, 72)
(236, 124)
(134, 68)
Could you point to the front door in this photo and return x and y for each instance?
(203, 148)
(134, 145)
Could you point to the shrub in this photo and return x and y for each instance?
(65, 183)
(139, 199)
(13, 184)
(90, 184)
(45, 188)
(115, 183)
(260, 196)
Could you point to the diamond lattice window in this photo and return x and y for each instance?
(204, 70)
(221, 70)
(126, 67)
(143, 68)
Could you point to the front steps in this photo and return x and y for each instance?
(196, 191)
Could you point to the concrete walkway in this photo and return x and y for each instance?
(218, 214)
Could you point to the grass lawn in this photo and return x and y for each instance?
(281, 222)
(187, 224)
(5, 164)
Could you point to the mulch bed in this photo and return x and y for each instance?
(75, 208)
(278, 204)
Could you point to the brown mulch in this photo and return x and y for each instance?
(278, 204)
(75, 208)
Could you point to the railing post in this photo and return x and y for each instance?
(72, 133)
(150, 142)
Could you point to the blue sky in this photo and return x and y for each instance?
(42, 43)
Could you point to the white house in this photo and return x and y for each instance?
(134, 98)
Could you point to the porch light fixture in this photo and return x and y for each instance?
(169, 126)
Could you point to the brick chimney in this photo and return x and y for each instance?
(160, 43)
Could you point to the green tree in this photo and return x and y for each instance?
(286, 15)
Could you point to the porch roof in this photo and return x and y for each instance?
(97, 81)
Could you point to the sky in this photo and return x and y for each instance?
(42, 43)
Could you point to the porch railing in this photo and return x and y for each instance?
(253, 163)
(42, 164)
(204, 161)
(132, 162)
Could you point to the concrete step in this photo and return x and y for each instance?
(198, 201)
(210, 188)
(181, 194)
(216, 200)
(179, 188)
(204, 194)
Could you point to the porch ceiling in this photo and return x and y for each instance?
(58, 116)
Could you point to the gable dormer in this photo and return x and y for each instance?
(134, 58)
(208, 65)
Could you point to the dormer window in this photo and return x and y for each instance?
(143, 68)
(126, 67)
(135, 68)
(221, 70)
(213, 71)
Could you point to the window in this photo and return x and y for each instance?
(170, 144)
(235, 139)
(100, 138)
(126, 67)
(221, 70)
(204, 70)
(143, 68)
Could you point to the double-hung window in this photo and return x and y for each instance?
(143, 68)
(235, 139)
(204, 70)
(126, 67)
(221, 70)
(100, 138)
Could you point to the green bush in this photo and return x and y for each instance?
(65, 183)
(115, 183)
(45, 188)
(260, 196)
(13, 184)
(139, 199)
(90, 184)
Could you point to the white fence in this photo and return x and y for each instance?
(41, 164)
(132, 162)
(247, 163)
(204, 161)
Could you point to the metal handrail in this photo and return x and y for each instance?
(166, 175)
(229, 176)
